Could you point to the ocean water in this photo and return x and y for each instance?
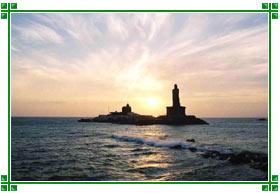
(63, 149)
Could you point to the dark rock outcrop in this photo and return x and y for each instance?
(190, 140)
(175, 115)
(193, 149)
(262, 119)
(248, 157)
(254, 160)
(177, 147)
(135, 119)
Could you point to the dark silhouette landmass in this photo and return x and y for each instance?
(254, 159)
(175, 115)
(262, 119)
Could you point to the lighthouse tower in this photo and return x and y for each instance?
(176, 111)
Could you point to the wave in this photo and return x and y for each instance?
(174, 145)
(253, 159)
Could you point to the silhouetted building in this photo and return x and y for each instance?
(126, 109)
(176, 110)
(175, 115)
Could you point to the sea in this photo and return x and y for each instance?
(63, 149)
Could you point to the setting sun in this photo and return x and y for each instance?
(152, 102)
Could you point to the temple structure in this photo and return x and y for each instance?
(126, 109)
(175, 115)
(176, 110)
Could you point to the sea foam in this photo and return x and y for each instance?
(179, 144)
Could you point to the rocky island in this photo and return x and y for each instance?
(175, 115)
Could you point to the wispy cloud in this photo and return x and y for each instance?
(91, 61)
(37, 33)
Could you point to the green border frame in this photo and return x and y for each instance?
(7, 184)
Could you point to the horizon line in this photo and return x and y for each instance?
(155, 116)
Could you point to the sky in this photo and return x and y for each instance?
(83, 65)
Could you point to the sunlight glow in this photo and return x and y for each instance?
(78, 65)
(152, 102)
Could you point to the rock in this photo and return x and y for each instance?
(193, 149)
(190, 140)
(175, 115)
(260, 166)
(146, 120)
(248, 157)
(177, 147)
(86, 120)
(211, 154)
(254, 160)
(224, 156)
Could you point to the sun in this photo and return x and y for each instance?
(152, 102)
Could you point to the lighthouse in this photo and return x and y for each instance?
(176, 110)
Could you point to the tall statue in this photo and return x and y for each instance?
(175, 96)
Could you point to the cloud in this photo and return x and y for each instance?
(37, 33)
(98, 59)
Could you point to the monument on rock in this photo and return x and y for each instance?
(176, 110)
(175, 115)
